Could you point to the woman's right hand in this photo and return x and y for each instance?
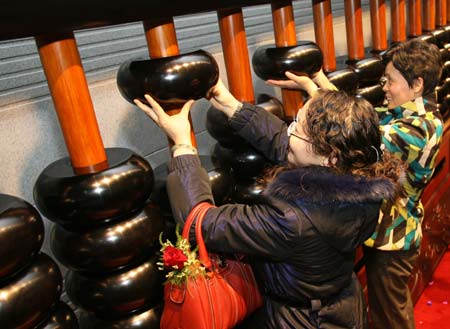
(177, 127)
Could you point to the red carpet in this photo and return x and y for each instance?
(432, 310)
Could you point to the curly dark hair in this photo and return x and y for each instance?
(414, 59)
(345, 129)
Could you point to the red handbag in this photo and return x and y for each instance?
(218, 300)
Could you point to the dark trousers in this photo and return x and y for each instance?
(388, 272)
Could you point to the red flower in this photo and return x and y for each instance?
(174, 257)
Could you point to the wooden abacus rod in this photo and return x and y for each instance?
(441, 12)
(414, 18)
(162, 42)
(161, 38)
(378, 25)
(235, 52)
(323, 29)
(285, 35)
(354, 29)
(448, 11)
(398, 21)
(70, 93)
(429, 15)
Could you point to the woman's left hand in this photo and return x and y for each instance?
(177, 127)
(295, 82)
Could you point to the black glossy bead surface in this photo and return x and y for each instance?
(248, 191)
(27, 299)
(445, 53)
(120, 294)
(80, 200)
(271, 62)
(429, 37)
(21, 234)
(148, 319)
(442, 91)
(171, 81)
(244, 160)
(345, 79)
(445, 71)
(441, 36)
(63, 317)
(110, 247)
(374, 94)
(271, 104)
(369, 71)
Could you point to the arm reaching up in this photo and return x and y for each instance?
(221, 98)
(322, 81)
(319, 81)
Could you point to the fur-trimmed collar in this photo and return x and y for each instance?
(321, 185)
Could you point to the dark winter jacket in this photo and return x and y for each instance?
(302, 237)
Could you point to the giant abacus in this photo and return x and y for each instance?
(108, 205)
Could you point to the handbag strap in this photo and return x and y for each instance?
(190, 219)
(198, 213)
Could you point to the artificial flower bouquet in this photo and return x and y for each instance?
(179, 260)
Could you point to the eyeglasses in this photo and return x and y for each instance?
(291, 129)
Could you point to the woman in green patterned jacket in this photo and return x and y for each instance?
(412, 129)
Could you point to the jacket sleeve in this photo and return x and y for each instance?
(263, 130)
(187, 185)
(258, 230)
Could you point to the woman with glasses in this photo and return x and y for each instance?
(319, 205)
(412, 129)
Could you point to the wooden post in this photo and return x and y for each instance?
(448, 11)
(378, 25)
(398, 21)
(415, 18)
(354, 29)
(441, 13)
(285, 35)
(429, 15)
(162, 42)
(323, 29)
(235, 52)
(70, 93)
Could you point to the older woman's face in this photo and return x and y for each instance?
(396, 87)
(300, 151)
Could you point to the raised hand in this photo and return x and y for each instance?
(295, 82)
(176, 127)
(322, 81)
(221, 98)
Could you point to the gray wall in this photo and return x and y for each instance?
(30, 136)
